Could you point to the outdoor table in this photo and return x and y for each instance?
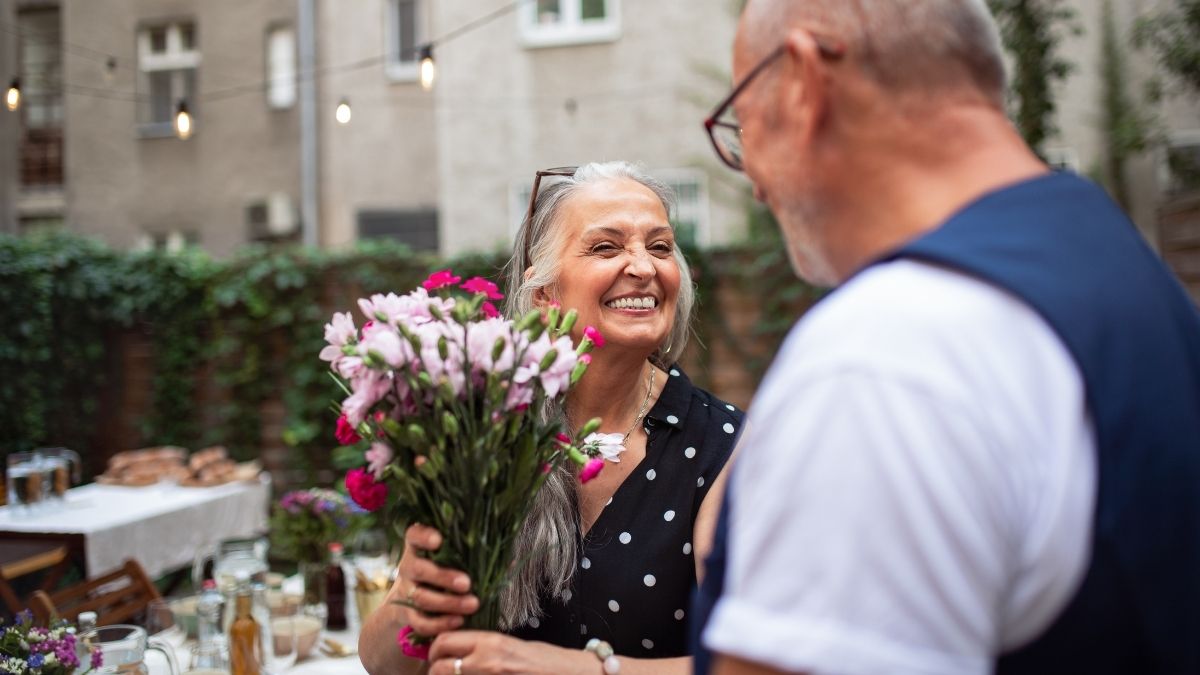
(315, 664)
(162, 526)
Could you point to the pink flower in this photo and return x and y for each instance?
(440, 279)
(563, 438)
(339, 332)
(345, 433)
(590, 470)
(590, 333)
(481, 285)
(489, 310)
(365, 491)
(546, 468)
(412, 651)
(378, 457)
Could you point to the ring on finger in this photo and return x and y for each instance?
(458, 667)
(411, 598)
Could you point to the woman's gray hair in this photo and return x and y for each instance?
(547, 549)
(539, 238)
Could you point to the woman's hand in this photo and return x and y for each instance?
(423, 588)
(487, 653)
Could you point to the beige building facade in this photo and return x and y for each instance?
(539, 84)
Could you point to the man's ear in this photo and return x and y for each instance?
(804, 85)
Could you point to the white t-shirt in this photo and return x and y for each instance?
(916, 487)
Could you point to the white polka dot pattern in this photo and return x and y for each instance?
(671, 419)
(674, 373)
(651, 474)
(614, 606)
(679, 615)
(625, 537)
(648, 644)
(728, 428)
(586, 564)
(649, 580)
(689, 453)
(669, 516)
(700, 481)
(687, 548)
(534, 623)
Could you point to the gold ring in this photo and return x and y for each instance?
(411, 598)
(458, 667)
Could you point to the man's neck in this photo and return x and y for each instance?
(915, 180)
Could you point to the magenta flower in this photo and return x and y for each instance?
(412, 651)
(591, 469)
(489, 310)
(365, 491)
(590, 333)
(440, 279)
(345, 433)
(586, 359)
(481, 285)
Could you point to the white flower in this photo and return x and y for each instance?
(610, 446)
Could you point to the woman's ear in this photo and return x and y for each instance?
(540, 297)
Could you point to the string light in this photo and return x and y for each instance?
(183, 121)
(12, 99)
(428, 70)
(343, 112)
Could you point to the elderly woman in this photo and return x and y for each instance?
(614, 559)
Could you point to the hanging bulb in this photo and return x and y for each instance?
(13, 98)
(428, 70)
(343, 112)
(183, 121)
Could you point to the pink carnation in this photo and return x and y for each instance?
(440, 279)
(481, 285)
(591, 469)
(378, 457)
(365, 491)
(411, 650)
(345, 433)
(590, 333)
(489, 310)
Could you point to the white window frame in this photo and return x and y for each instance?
(282, 86)
(571, 29)
(175, 58)
(700, 212)
(397, 70)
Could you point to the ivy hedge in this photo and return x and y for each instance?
(248, 327)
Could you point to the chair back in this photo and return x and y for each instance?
(117, 597)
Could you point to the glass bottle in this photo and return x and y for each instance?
(83, 639)
(245, 640)
(335, 589)
(208, 613)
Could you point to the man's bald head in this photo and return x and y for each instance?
(906, 46)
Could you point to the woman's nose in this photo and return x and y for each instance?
(640, 265)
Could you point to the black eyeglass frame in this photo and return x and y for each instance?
(561, 171)
(828, 49)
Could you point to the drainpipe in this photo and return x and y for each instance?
(307, 43)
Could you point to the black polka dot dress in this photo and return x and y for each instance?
(637, 568)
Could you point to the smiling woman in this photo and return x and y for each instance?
(610, 564)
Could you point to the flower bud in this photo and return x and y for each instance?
(449, 424)
(548, 360)
(552, 318)
(498, 349)
(568, 322)
(590, 428)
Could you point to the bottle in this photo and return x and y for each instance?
(208, 613)
(245, 640)
(335, 589)
(83, 644)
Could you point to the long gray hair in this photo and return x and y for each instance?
(547, 547)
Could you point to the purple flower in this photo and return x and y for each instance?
(97, 658)
(36, 660)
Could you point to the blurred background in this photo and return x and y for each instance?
(188, 188)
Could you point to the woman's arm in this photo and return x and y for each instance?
(706, 518)
(431, 589)
(487, 653)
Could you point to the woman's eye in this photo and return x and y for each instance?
(662, 247)
(605, 247)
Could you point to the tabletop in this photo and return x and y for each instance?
(163, 526)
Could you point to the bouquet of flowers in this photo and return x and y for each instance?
(304, 522)
(451, 398)
(26, 649)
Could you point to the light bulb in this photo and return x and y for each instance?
(12, 99)
(343, 112)
(183, 122)
(428, 71)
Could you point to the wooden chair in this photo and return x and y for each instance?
(117, 597)
(19, 557)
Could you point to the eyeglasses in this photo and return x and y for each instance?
(563, 172)
(726, 135)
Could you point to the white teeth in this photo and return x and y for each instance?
(647, 302)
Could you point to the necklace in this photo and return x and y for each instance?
(642, 410)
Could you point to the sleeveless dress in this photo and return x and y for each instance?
(637, 569)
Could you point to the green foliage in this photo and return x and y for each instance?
(1032, 31)
(304, 522)
(1173, 36)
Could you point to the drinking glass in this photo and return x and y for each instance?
(285, 643)
(27, 480)
(162, 624)
(208, 659)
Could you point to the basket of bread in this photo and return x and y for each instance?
(203, 468)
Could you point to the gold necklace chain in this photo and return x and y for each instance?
(642, 410)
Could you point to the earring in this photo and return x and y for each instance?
(667, 350)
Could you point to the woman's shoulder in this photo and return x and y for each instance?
(707, 425)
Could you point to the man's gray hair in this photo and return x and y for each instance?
(904, 45)
(538, 241)
(547, 549)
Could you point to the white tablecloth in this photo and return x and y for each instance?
(163, 526)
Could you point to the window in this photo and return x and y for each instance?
(691, 205)
(41, 112)
(171, 241)
(418, 229)
(1181, 170)
(404, 36)
(281, 67)
(548, 23)
(167, 62)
